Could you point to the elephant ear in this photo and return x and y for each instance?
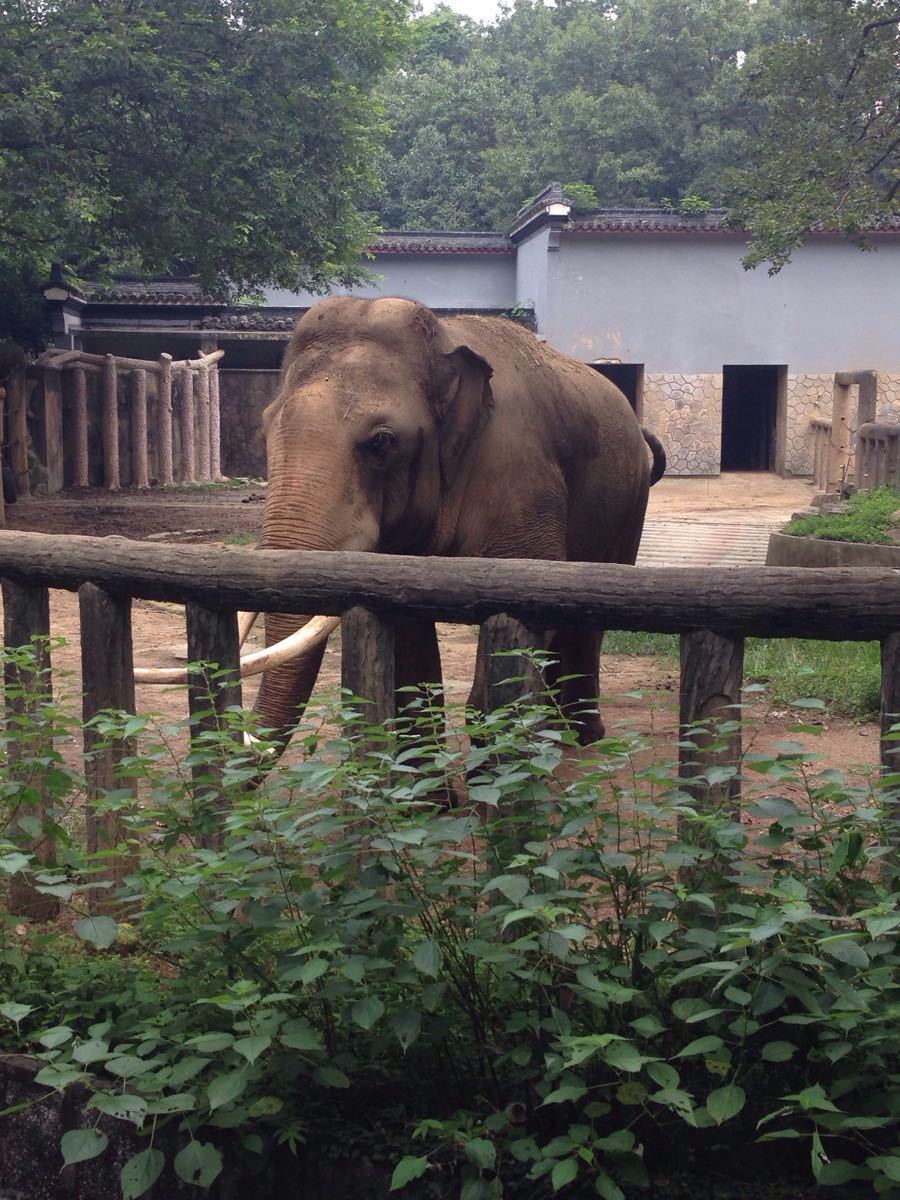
(461, 402)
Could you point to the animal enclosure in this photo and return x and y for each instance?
(712, 610)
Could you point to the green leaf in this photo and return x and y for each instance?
(704, 1045)
(564, 1172)
(407, 1025)
(15, 1012)
(514, 887)
(663, 1074)
(211, 1043)
(886, 1164)
(141, 1172)
(301, 1039)
(406, 1170)
(177, 1103)
(607, 1188)
(198, 1163)
(123, 1106)
(569, 1091)
(225, 1088)
(78, 1145)
(100, 932)
(725, 1102)
(252, 1047)
(624, 1056)
(427, 958)
(482, 1153)
(845, 950)
(56, 1036)
(778, 1051)
(332, 1077)
(366, 1013)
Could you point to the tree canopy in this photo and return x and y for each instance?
(784, 111)
(233, 139)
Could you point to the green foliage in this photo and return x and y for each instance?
(637, 99)
(828, 152)
(231, 140)
(868, 519)
(548, 986)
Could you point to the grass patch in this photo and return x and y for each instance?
(241, 539)
(870, 516)
(845, 675)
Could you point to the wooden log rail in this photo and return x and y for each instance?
(199, 423)
(713, 610)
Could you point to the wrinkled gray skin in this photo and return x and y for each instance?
(397, 431)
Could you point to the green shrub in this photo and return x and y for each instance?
(870, 516)
(548, 987)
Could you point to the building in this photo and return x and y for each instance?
(727, 366)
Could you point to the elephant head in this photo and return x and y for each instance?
(367, 445)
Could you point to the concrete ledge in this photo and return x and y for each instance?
(785, 550)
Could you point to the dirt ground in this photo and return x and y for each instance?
(217, 515)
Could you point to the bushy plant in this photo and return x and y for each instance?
(546, 987)
(869, 517)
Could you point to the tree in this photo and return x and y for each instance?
(233, 139)
(829, 151)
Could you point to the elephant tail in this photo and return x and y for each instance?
(659, 456)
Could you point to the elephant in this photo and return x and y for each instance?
(398, 431)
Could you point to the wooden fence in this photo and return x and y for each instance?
(196, 383)
(713, 610)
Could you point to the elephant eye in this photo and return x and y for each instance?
(380, 443)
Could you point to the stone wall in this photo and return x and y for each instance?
(808, 396)
(243, 395)
(685, 412)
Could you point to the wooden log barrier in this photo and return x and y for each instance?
(164, 420)
(80, 475)
(832, 603)
(53, 441)
(712, 671)
(140, 474)
(212, 638)
(107, 680)
(188, 455)
(17, 409)
(203, 423)
(111, 477)
(215, 426)
(26, 615)
(367, 666)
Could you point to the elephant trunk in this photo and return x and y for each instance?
(285, 690)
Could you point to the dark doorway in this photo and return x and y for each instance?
(628, 378)
(750, 409)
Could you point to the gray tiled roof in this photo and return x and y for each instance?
(441, 241)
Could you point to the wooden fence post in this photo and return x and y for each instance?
(215, 426)
(110, 425)
(212, 637)
(367, 665)
(188, 457)
(164, 419)
(203, 414)
(18, 430)
(107, 680)
(890, 702)
(26, 614)
(140, 475)
(80, 474)
(712, 669)
(53, 428)
(509, 677)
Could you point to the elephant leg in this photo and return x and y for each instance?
(575, 674)
(417, 667)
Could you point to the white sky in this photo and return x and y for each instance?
(480, 10)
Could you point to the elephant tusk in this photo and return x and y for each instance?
(316, 630)
(246, 621)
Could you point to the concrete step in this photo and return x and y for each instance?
(697, 543)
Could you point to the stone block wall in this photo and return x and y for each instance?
(685, 413)
(808, 396)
